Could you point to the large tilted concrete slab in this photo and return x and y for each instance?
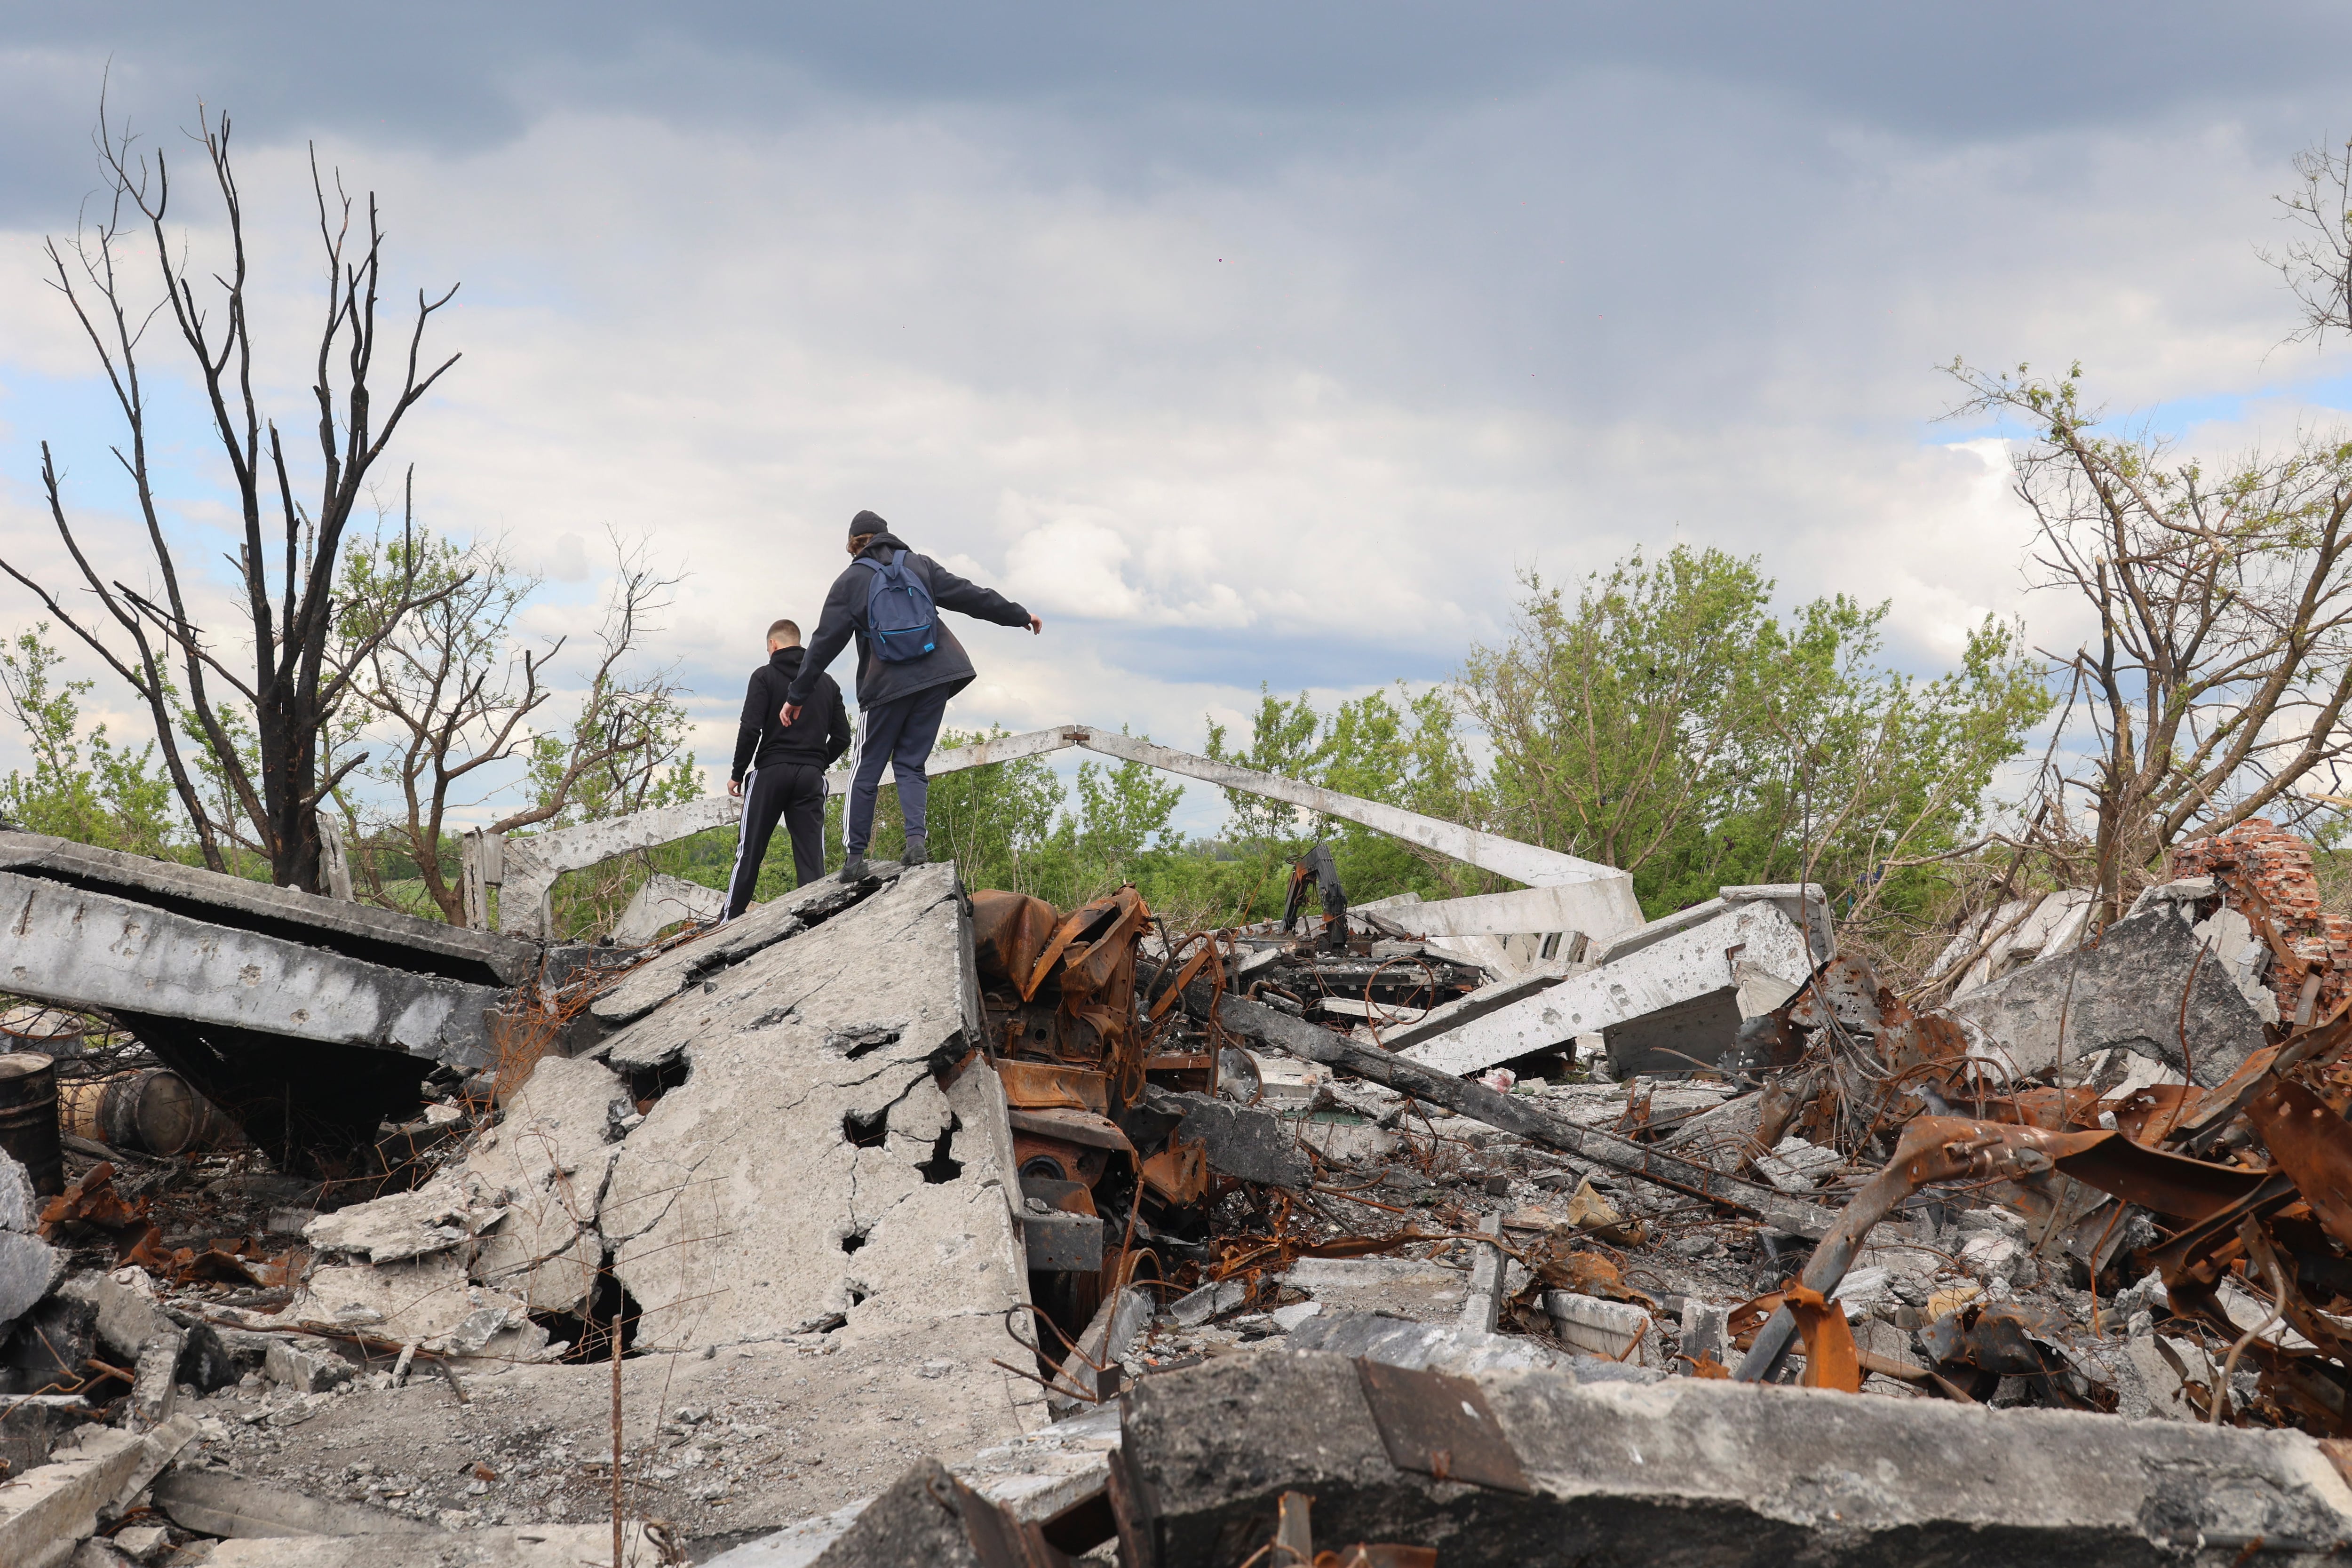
(1689, 1471)
(81, 949)
(1677, 996)
(811, 1166)
(803, 1179)
(354, 930)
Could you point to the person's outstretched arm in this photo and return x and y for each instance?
(950, 592)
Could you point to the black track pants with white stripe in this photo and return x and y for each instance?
(794, 792)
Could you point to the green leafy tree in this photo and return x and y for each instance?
(1402, 751)
(1668, 723)
(82, 787)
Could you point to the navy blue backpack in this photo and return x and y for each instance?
(898, 612)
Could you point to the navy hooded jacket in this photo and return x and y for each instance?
(845, 618)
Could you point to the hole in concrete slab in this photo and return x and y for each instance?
(857, 1294)
(592, 1337)
(866, 1132)
(943, 1166)
(862, 1040)
(649, 1083)
(853, 1241)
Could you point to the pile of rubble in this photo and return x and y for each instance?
(899, 1222)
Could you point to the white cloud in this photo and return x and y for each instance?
(1297, 420)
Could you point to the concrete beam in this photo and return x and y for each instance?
(1710, 960)
(49, 1509)
(1610, 908)
(532, 863)
(80, 949)
(356, 930)
(1543, 1469)
(1528, 912)
(1590, 898)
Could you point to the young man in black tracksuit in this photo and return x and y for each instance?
(899, 706)
(780, 765)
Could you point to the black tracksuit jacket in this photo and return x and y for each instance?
(820, 739)
(845, 617)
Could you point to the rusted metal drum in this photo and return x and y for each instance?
(150, 1112)
(28, 1118)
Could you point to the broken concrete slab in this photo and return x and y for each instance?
(134, 1328)
(548, 1158)
(903, 1185)
(306, 1365)
(760, 927)
(355, 931)
(32, 1425)
(1043, 1475)
(2016, 934)
(1482, 1303)
(1670, 1000)
(1397, 1287)
(2226, 934)
(929, 1516)
(443, 1215)
(1615, 1331)
(483, 1546)
(214, 1502)
(521, 1205)
(83, 949)
(1723, 1137)
(1555, 1471)
(427, 1302)
(45, 1511)
(2126, 993)
(30, 1266)
(1418, 1346)
(1492, 998)
(1112, 1333)
(796, 1545)
(1240, 1140)
(1194, 1308)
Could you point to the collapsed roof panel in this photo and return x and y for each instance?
(417, 946)
(82, 949)
(1669, 1004)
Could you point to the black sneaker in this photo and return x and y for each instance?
(854, 868)
(918, 853)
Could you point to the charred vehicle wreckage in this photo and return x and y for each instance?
(899, 1222)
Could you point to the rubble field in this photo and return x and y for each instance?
(899, 1222)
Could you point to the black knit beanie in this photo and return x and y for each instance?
(866, 522)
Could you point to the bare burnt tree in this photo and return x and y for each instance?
(448, 693)
(2317, 263)
(274, 662)
(2217, 677)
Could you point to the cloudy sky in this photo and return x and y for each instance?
(1244, 343)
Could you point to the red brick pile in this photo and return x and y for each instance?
(2265, 873)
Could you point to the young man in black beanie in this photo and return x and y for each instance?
(780, 766)
(906, 670)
